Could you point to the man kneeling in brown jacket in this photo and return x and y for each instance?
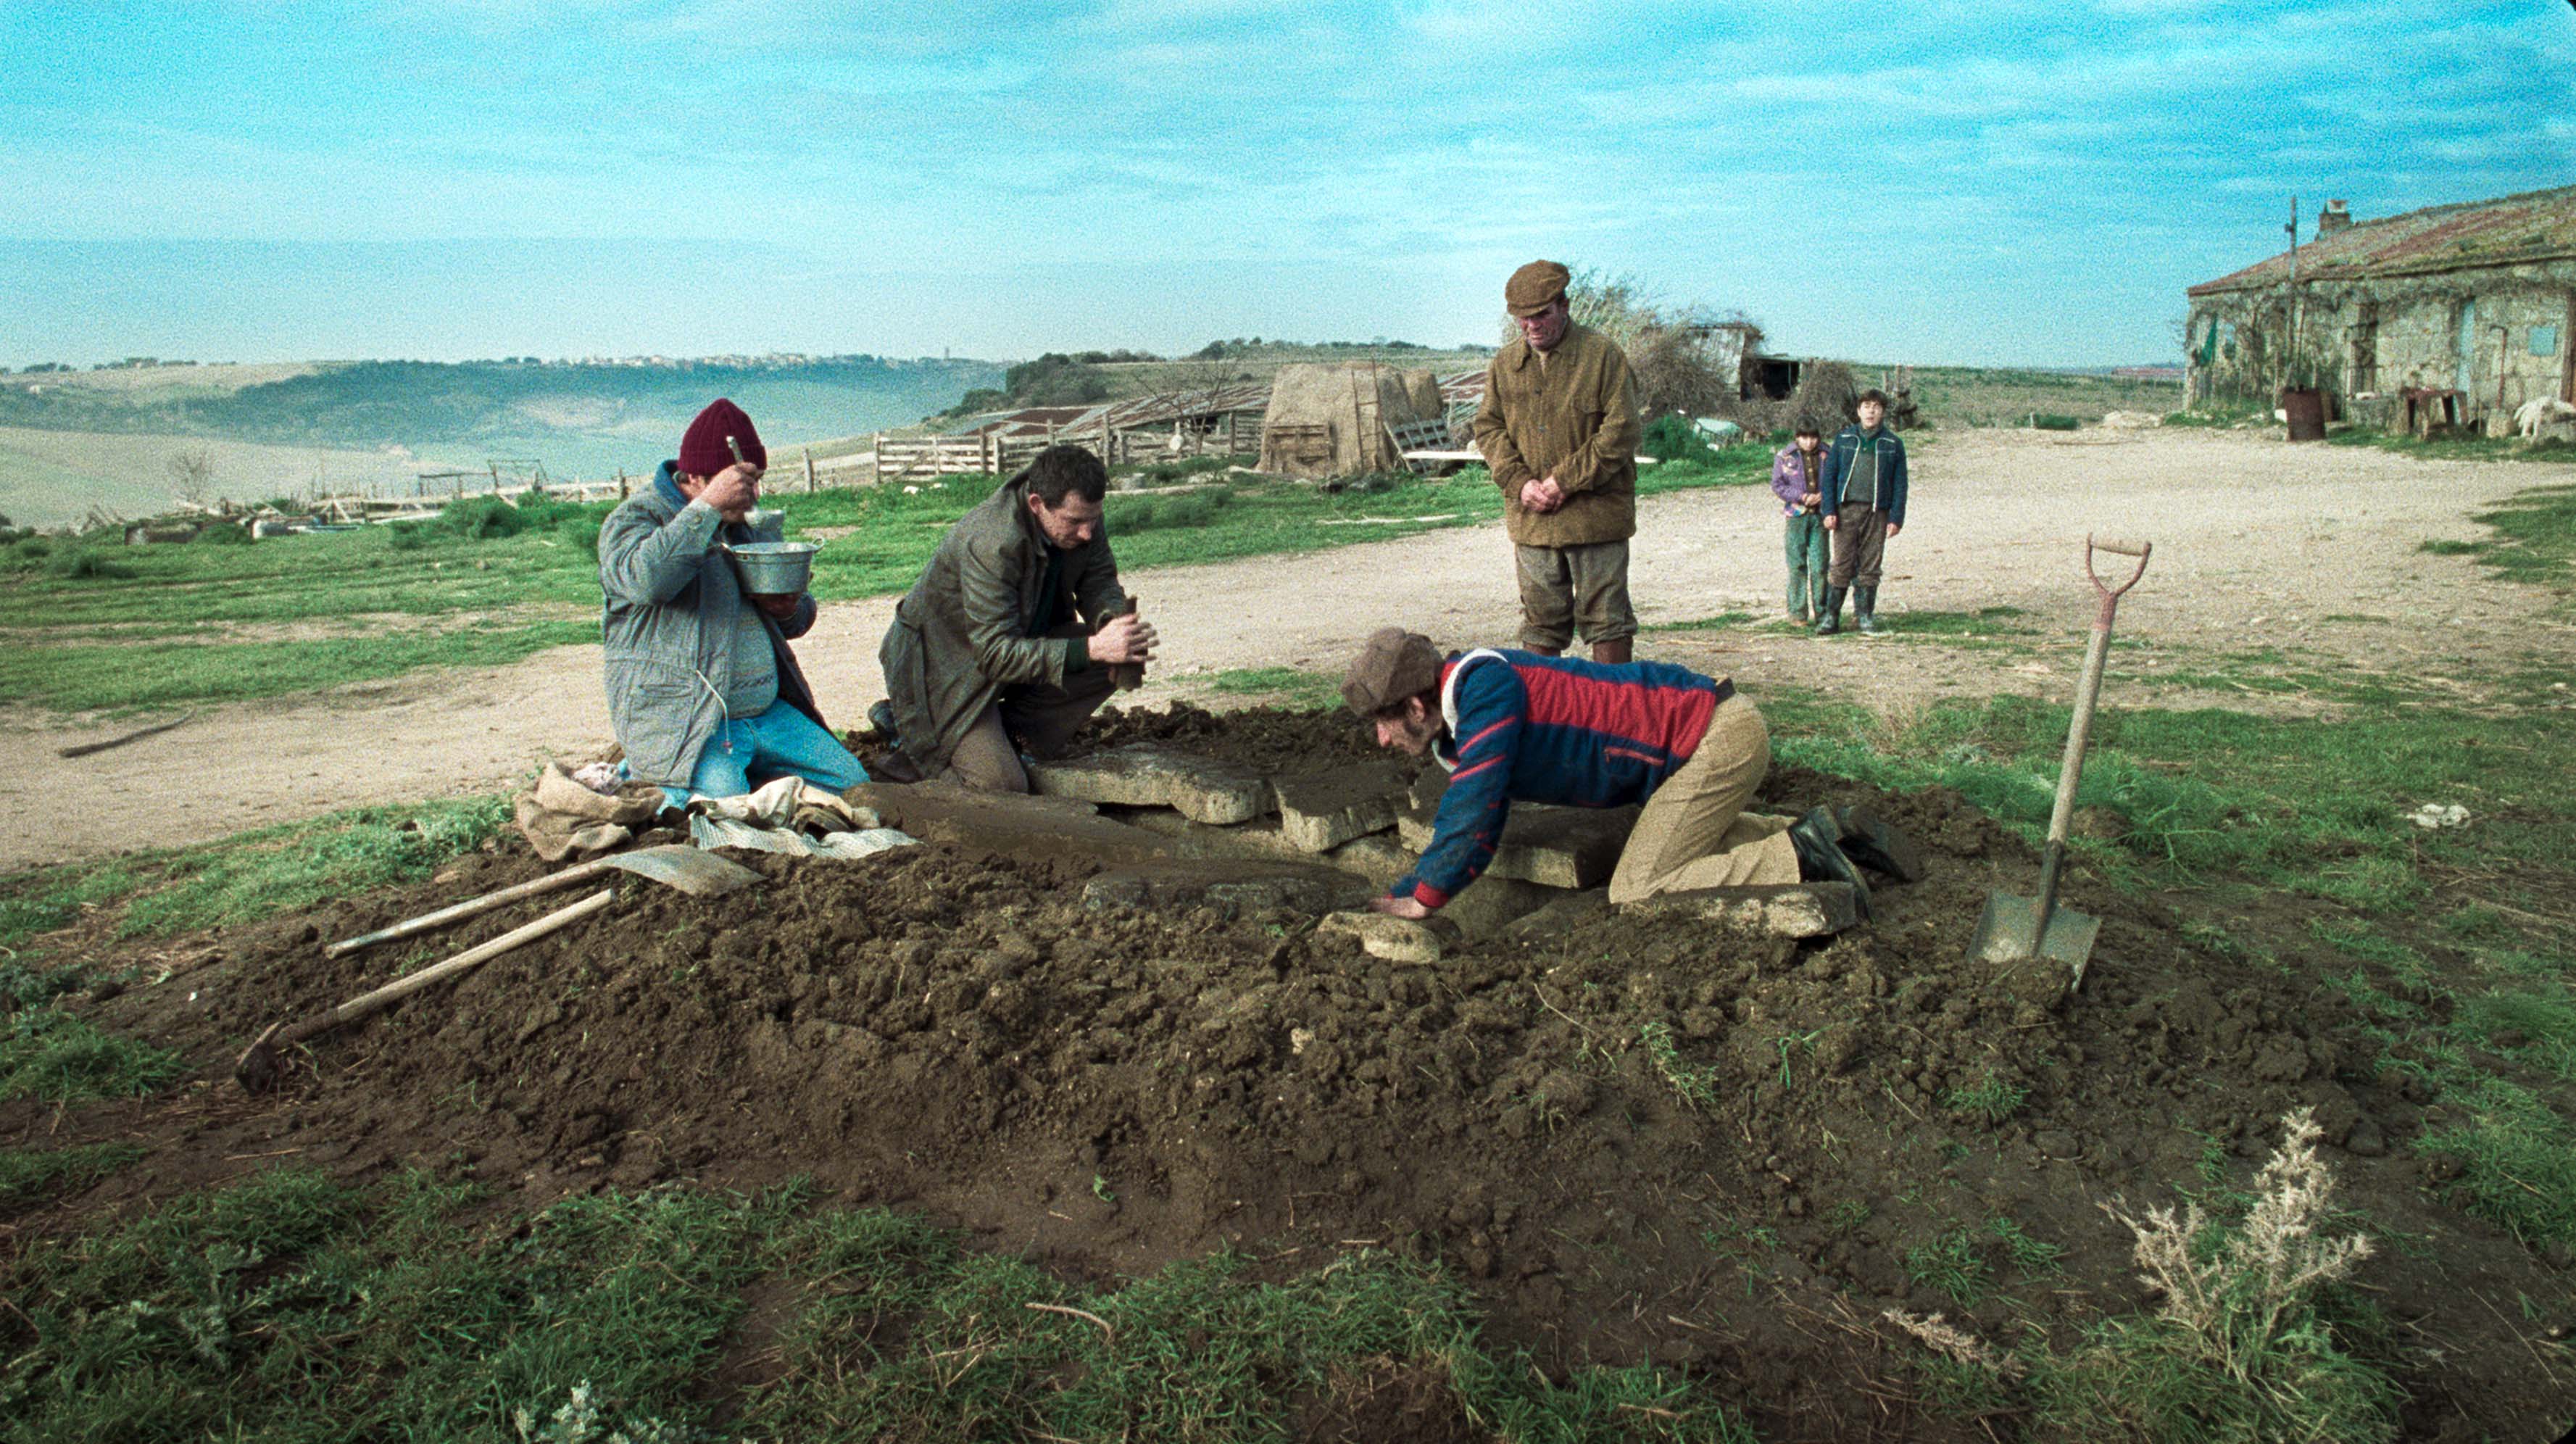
(1006, 644)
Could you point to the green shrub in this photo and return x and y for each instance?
(1672, 437)
(2053, 421)
(407, 536)
(86, 565)
(580, 531)
(1129, 513)
(482, 518)
(222, 534)
(1194, 509)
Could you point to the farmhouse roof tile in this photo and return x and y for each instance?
(2532, 226)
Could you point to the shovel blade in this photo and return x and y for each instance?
(2010, 931)
(692, 871)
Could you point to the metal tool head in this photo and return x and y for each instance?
(2010, 931)
(691, 870)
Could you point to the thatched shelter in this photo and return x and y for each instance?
(1338, 420)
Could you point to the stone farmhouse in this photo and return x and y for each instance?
(2452, 315)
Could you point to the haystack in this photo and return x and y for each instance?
(1334, 420)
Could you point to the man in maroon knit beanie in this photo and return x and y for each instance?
(704, 690)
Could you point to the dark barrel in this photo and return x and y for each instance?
(2306, 407)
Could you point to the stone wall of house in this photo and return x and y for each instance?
(2379, 336)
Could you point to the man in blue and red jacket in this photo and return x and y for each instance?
(1519, 726)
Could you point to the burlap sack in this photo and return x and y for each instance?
(561, 818)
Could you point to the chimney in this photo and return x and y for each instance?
(2332, 219)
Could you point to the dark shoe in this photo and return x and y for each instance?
(1874, 842)
(881, 717)
(1865, 610)
(895, 766)
(1833, 618)
(1818, 839)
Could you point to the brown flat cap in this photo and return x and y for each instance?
(1395, 664)
(1534, 287)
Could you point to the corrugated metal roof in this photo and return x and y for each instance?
(2533, 226)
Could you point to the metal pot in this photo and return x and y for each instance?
(773, 569)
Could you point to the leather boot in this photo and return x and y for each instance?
(1873, 841)
(1614, 652)
(1818, 839)
(1865, 610)
(1832, 620)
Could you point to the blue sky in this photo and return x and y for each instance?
(1999, 182)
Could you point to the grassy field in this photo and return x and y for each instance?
(54, 478)
(99, 625)
(2002, 396)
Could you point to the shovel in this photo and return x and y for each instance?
(259, 1066)
(2017, 929)
(672, 864)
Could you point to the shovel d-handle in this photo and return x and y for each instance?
(2079, 729)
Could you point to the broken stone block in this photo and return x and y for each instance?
(1793, 910)
(1319, 811)
(1378, 857)
(1567, 847)
(1232, 888)
(1490, 904)
(1565, 912)
(1398, 940)
(1143, 774)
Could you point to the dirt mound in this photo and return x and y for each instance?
(1609, 1130)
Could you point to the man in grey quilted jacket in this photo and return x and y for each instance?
(703, 689)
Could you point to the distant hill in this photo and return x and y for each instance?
(581, 419)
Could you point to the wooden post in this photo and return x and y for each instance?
(621, 484)
(809, 467)
(876, 460)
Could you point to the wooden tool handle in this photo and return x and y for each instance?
(2122, 548)
(400, 988)
(468, 908)
(1126, 676)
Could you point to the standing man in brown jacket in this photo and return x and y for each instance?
(1559, 429)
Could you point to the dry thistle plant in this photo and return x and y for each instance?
(2266, 1265)
(1956, 1343)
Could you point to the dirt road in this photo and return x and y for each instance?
(2256, 543)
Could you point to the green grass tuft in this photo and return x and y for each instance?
(1697, 1086)
(55, 1056)
(294, 866)
(29, 1176)
(1950, 1263)
(2520, 1157)
(1990, 1098)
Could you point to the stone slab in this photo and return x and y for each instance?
(1379, 857)
(1491, 904)
(1319, 811)
(995, 824)
(1202, 789)
(1567, 847)
(1397, 940)
(1794, 910)
(1235, 889)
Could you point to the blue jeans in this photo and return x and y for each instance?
(778, 743)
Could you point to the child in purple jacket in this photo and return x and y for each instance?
(1795, 478)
